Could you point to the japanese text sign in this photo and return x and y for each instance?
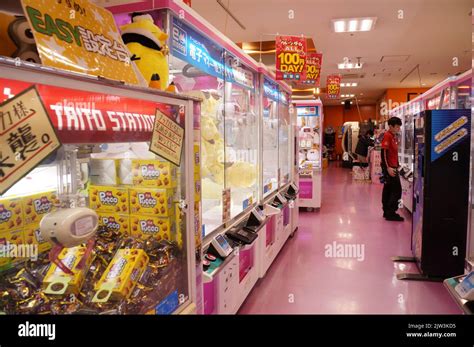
(333, 86)
(313, 68)
(26, 136)
(167, 139)
(79, 36)
(290, 58)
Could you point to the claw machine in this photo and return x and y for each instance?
(205, 64)
(310, 120)
(107, 224)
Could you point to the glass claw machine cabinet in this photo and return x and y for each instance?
(108, 224)
(204, 63)
(309, 121)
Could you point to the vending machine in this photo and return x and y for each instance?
(441, 192)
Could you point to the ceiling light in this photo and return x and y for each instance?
(366, 24)
(343, 66)
(354, 24)
(353, 84)
(339, 26)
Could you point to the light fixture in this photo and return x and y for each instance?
(317, 90)
(349, 84)
(353, 24)
(344, 66)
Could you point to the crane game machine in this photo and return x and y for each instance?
(440, 208)
(309, 122)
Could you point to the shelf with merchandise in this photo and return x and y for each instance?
(133, 196)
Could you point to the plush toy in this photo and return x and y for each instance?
(241, 175)
(147, 44)
(16, 38)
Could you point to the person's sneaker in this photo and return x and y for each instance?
(395, 218)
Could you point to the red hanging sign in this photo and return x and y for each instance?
(290, 58)
(333, 86)
(313, 68)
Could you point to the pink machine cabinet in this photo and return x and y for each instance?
(309, 122)
(227, 287)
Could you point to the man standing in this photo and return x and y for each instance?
(392, 189)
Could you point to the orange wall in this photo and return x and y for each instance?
(336, 116)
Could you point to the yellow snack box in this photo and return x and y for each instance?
(11, 214)
(121, 276)
(58, 282)
(116, 222)
(37, 205)
(108, 199)
(151, 201)
(143, 226)
(9, 254)
(153, 173)
(33, 236)
(179, 226)
(197, 161)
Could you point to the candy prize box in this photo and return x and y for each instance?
(121, 276)
(151, 201)
(33, 236)
(58, 282)
(115, 222)
(108, 199)
(37, 206)
(9, 242)
(11, 214)
(153, 173)
(144, 226)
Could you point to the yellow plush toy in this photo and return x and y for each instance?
(147, 44)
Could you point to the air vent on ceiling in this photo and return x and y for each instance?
(350, 76)
(394, 58)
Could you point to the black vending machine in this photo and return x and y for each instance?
(441, 193)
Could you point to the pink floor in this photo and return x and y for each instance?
(303, 280)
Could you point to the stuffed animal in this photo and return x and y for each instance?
(147, 44)
(16, 38)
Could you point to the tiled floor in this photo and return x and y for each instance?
(303, 280)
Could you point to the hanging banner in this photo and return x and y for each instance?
(290, 58)
(313, 68)
(167, 139)
(333, 86)
(26, 136)
(79, 36)
(80, 116)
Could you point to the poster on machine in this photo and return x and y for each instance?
(290, 58)
(79, 36)
(333, 86)
(167, 139)
(26, 136)
(313, 68)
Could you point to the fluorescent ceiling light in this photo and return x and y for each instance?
(366, 25)
(339, 26)
(349, 84)
(353, 24)
(344, 66)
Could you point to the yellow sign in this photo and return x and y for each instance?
(167, 138)
(79, 36)
(26, 136)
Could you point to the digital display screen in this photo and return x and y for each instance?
(222, 242)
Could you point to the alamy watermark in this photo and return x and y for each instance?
(345, 250)
(11, 250)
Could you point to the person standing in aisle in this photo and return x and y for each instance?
(392, 189)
